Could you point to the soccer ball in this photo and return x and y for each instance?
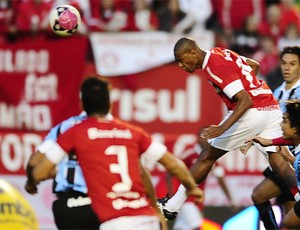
(64, 20)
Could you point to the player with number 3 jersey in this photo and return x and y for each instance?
(109, 152)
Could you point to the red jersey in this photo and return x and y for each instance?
(108, 151)
(229, 73)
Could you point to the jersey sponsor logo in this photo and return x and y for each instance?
(268, 108)
(256, 92)
(120, 203)
(79, 201)
(94, 133)
(130, 195)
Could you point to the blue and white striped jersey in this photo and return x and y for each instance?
(282, 95)
(297, 166)
(69, 175)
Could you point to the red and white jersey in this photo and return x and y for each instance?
(229, 73)
(109, 151)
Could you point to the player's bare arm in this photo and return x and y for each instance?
(43, 170)
(280, 141)
(178, 169)
(244, 103)
(31, 184)
(262, 141)
(146, 177)
(257, 139)
(34, 160)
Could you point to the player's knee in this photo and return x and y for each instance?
(286, 222)
(256, 196)
(291, 219)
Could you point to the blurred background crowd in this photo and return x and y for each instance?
(254, 28)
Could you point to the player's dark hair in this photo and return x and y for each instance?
(95, 96)
(293, 114)
(184, 44)
(291, 50)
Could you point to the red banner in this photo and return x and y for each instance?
(166, 100)
(39, 81)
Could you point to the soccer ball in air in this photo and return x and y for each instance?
(64, 20)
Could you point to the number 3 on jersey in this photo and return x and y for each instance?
(121, 167)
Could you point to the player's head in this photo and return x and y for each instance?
(95, 96)
(291, 50)
(292, 117)
(290, 64)
(187, 54)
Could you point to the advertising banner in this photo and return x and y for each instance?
(39, 79)
(134, 52)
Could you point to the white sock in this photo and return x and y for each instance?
(175, 203)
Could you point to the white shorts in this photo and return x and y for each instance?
(263, 122)
(189, 217)
(132, 222)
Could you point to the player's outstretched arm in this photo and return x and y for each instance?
(151, 195)
(178, 169)
(260, 140)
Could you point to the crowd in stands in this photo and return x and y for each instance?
(258, 29)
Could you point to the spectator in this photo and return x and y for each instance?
(267, 56)
(232, 13)
(194, 20)
(7, 15)
(271, 27)
(142, 17)
(289, 14)
(169, 16)
(246, 40)
(33, 17)
(106, 16)
(291, 37)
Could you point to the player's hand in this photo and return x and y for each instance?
(31, 188)
(286, 153)
(212, 132)
(244, 149)
(260, 140)
(197, 193)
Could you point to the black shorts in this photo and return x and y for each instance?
(72, 210)
(286, 194)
